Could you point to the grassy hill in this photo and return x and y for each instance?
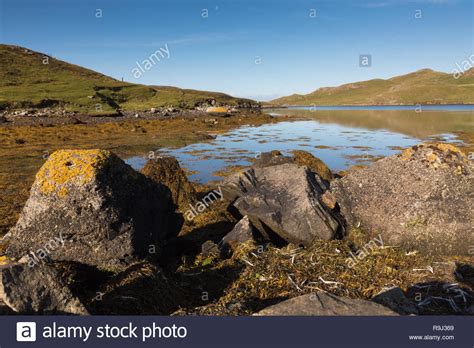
(421, 87)
(26, 81)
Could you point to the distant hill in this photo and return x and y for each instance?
(421, 87)
(33, 79)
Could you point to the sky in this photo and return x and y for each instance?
(261, 49)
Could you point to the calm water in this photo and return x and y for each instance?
(389, 107)
(340, 138)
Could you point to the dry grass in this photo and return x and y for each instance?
(268, 275)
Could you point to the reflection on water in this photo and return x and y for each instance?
(458, 107)
(417, 124)
(339, 138)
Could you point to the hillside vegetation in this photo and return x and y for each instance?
(421, 87)
(33, 79)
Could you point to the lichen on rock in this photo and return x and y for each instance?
(88, 206)
(71, 167)
(438, 155)
(420, 199)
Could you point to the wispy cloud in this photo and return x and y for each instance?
(201, 38)
(377, 4)
(176, 41)
(380, 4)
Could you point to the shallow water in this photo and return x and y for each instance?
(340, 138)
(418, 108)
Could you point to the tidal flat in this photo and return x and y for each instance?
(210, 150)
(24, 148)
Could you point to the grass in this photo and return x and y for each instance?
(421, 87)
(32, 79)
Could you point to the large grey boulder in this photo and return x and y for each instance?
(322, 304)
(39, 289)
(420, 199)
(284, 200)
(88, 206)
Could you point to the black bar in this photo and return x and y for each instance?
(327, 332)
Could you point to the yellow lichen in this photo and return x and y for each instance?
(439, 155)
(4, 260)
(432, 157)
(407, 154)
(447, 148)
(436, 147)
(69, 166)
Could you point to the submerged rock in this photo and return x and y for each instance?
(283, 201)
(166, 171)
(88, 206)
(322, 303)
(420, 199)
(39, 289)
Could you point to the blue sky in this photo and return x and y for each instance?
(297, 52)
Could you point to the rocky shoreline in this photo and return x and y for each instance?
(51, 117)
(284, 237)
